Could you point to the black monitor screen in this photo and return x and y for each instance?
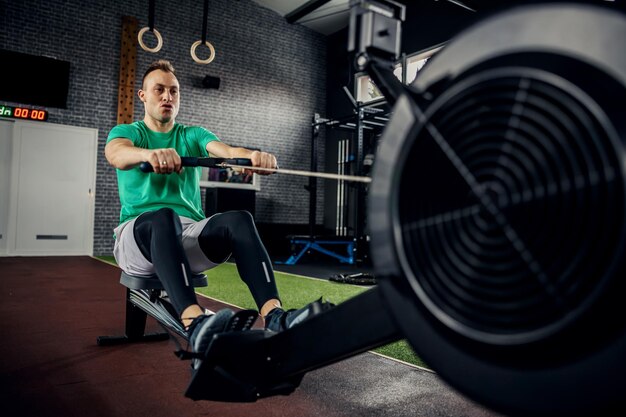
(37, 80)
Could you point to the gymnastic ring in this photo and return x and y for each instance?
(144, 46)
(202, 61)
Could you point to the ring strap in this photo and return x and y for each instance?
(151, 7)
(204, 20)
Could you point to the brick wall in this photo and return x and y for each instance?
(273, 79)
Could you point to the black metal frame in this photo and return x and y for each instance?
(145, 296)
(356, 122)
(312, 187)
(134, 327)
(135, 323)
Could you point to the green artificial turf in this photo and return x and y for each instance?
(295, 291)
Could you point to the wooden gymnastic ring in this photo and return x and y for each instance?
(202, 61)
(144, 46)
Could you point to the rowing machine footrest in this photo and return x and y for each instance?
(234, 370)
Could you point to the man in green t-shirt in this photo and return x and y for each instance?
(162, 227)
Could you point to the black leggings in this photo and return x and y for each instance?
(159, 237)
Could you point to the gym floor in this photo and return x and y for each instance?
(54, 308)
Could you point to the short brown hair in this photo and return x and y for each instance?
(161, 64)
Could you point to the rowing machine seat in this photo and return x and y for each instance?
(152, 282)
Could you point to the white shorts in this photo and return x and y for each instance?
(131, 260)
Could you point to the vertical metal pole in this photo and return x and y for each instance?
(312, 180)
(135, 325)
(359, 145)
(339, 171)
(344, 197)
(359, 200)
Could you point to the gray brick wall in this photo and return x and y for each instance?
(273, 79)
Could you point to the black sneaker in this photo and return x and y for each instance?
(203, 328)
(278, 319)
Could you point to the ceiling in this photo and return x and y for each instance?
(333, 15)
(328, 19)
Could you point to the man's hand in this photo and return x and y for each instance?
(122, 154)
(257, 158)
(165, 161)
(262, 160)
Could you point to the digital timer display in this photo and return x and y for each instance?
(23, 113)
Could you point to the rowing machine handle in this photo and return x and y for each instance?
(192, 161)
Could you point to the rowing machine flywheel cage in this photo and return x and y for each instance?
(499, 199)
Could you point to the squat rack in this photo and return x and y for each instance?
(350, 231)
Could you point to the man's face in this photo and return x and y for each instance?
(160, 95)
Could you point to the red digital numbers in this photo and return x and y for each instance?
(31, 114)
(22, 113)
(38, 115)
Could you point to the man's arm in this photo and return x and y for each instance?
(122, 154)
(258, 158)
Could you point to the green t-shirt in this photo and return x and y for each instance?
(141, 192)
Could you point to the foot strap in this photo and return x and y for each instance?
(240, 321)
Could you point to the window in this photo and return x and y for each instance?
(228, 178)
(414, 63)
(366, 90)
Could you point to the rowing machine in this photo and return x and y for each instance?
(499, 196)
